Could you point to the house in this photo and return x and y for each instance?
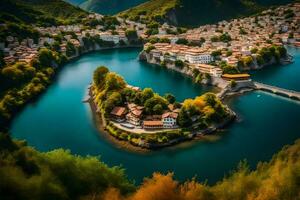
(153, 124)
(210, 69)
(135, 114)
(169, 120)
(118, 112)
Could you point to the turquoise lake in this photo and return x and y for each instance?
(58, 119)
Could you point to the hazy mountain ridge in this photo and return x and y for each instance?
(106, 7)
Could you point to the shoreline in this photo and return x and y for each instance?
(119, 144)
(7, 125)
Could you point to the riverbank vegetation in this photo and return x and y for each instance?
(21, 82)
(203, 110)
(28, 174)
(264, 56)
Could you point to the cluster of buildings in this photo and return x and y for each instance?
(196, 57)
(24, 51)
(135, 116)
(272, 27)
(27, 49)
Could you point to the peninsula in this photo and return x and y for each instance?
(148, 120)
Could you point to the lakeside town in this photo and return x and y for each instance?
(229, 47)
(219, 53)
(235, 42)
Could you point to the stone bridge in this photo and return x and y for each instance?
(278, 91)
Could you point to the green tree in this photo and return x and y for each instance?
(170, 98)
(153, 102)
(182, 41)
(115, 99)
(179, 63)
(70, 49)
(46, 58)
(184, 119)
(18, 73)
(99, 76)
(146, 94)
(56, 46)
(114, 82)
(158, 109)
(131, 34)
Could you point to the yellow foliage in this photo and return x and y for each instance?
(158, 187)
(199, 103)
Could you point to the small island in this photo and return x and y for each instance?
(145, 119)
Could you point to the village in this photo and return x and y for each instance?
(201, 48)
(236, 43)
(27, 50)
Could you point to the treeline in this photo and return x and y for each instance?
(264, 56)
(21, 82)
(28, 174)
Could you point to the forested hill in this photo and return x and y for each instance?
(198, 12)
(18, 16)
(41, 12)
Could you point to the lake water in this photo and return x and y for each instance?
(60, 120)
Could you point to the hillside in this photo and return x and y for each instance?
(19, 15)
(198, 12)
(108, 7)
(41, 12)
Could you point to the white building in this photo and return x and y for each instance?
(198, 58)
(110, 38)
(169, 120)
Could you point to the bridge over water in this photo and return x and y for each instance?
(278, 91)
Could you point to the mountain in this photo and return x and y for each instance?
(198, 12)
(108, 7)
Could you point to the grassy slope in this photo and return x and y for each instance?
(197, 12)
(152, 7)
